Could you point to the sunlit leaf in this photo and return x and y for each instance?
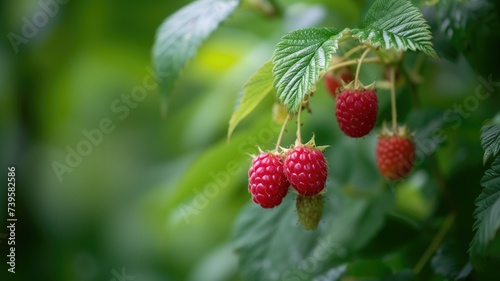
(298, 60)
(259, 85)
(398, 25)
(180, 35)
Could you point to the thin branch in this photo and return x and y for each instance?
(450, 219)
(393, 99)
(278, 142)
(356, 80)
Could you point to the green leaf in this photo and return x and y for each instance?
(367, 270)
(398, 25)
(180, 35)
(451, 261)
(273, 246)
(298, 60)
(403, 275)
(487, 213)
(470, 28)
(259, 85)
(216, 170)
(490, 140)
(332, 274)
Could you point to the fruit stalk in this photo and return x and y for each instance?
(299, 138)
(351, 62)
(356, 79)
(278, 142)
(393, 100)
(352, 51)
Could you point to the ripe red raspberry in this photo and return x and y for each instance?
(305, 169)
(266, 180)
(356, 111)
(334, 80)
(395, 154)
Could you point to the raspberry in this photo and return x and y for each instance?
(356, 111)
(309, 210)
(395, 154)
(266, 180)
(305, 169)
(335, 80)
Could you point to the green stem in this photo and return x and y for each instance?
(299, 138)
(393, 99)
(450, 219)
(278, 142)
(352, 51)
(356, 80)
(351, 62)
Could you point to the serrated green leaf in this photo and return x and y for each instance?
(487, 213)
(398, 25)
(180, 35)
(259, 85)
(451, 261)
(490, 140)
(298, 60)
(471, 29)
(267, 240)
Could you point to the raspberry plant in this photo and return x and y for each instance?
(348, 205)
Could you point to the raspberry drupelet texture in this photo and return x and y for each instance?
(395, 156)
(267, 181)
(306, 170)
(356, 111)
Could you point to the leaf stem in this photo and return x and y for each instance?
(360, 62)
(352, 51)
(450, 219)
(393, 99)
(351, 62)
(278, 142)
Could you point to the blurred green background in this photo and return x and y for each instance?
(137, 202)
